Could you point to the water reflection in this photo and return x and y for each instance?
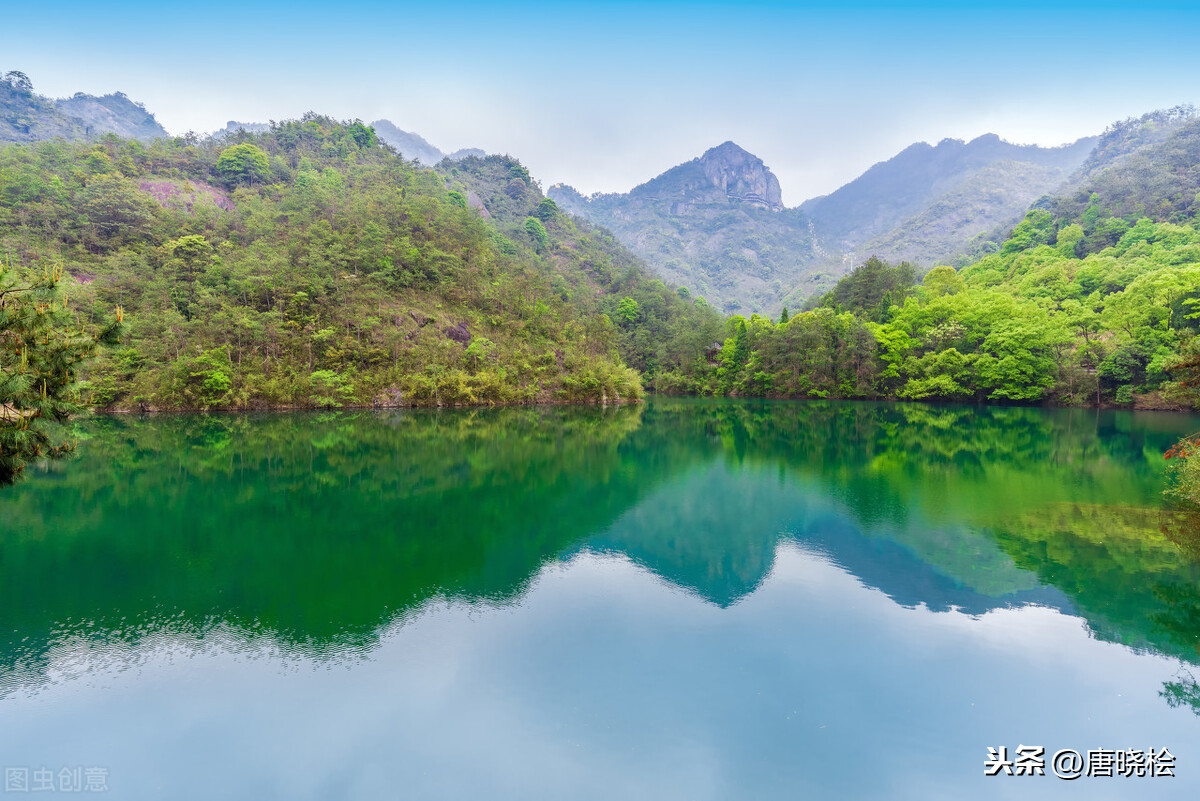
(1184, 692)
(320, 528)
(830, 579)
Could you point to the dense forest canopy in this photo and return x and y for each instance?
(310, 264)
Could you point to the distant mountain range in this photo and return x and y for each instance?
(716, 224)
(26, 116)
(927, 202)
(413, 146)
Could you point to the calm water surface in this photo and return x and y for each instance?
(681, 600)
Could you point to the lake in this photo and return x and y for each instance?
(684, 599)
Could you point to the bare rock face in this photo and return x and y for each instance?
(475, 202)
(742, 176)
(186, 195)
(459, 333)
(724, 173)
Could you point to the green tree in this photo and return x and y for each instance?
(872, 288)
(629, 312)
(331, 389)
(243, 164)
(206, 377)
(479, 349)
(363, 135)
(191, 255)
(537, 231)
(41, 352)
(1036, 229)
(943, 281)
(19, 81)
(741, 345)
(547, 210)
(116, 212)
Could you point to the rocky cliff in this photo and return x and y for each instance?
(715, 225)
(725, 172)
(742, 176)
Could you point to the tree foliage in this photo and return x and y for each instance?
(873, 287)
(1033, 323)
(244, 164)
(42, 350)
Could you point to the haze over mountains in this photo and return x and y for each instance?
(704, 224)
(926, 202)
(716, 225)
(29, 117)
(414, 146)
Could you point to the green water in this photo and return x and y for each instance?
(683, 599)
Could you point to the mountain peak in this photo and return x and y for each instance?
(722, 173)
(727, 149)
(741, 175)
(987, 139)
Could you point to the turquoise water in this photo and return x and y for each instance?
(684, 599)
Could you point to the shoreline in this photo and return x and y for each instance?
(1154, 403)
(1150, 407)
(358, 407)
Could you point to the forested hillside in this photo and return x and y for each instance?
(1133, 138)
(310, 265)
(658, 327)
(1094, 298)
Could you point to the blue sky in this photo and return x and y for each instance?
(606, 95)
